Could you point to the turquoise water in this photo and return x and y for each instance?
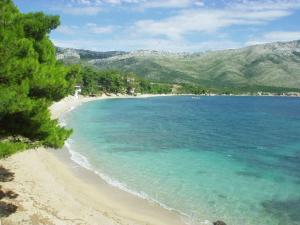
(235, 159)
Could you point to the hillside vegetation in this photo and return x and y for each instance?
(96, 82)
(267, 65)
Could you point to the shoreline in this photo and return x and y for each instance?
(53, 189)
(70, 102)
(66, 154)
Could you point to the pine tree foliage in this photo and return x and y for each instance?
(30, 77)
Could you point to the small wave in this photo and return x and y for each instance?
(83, 161)
(71, 108)
(143, 195)
(78, 158)
(62, 122)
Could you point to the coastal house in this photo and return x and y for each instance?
(77, 90)
(131, 91)
(130, 80)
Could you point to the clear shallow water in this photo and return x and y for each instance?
(231, 158)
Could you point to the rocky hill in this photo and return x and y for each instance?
(273, 64)
(88, 55)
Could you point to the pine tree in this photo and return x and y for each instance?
(30, 77)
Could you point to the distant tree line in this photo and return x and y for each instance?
(253, 90)
(95, 82)
(191, 89)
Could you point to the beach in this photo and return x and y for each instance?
(54, 190)
(124, 186)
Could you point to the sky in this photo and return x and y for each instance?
(169, 25)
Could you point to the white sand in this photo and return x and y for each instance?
(54, 190)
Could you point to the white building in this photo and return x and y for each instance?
(132, 91)
(130, 80)
(77, 90)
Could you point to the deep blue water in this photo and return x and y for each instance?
(231, 158)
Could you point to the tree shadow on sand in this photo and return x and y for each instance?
(7, 194)
(6, 175)
(286, 211)
(6, 208)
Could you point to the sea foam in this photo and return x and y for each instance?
(82, 161)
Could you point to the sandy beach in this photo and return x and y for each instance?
(54, 190)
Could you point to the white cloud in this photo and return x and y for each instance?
(212, 19)
(144, 3)
(86, 10)
(242, 4)
(267, 4)
(205, 20)
(95, 29)
(170, 33)
(282, 36)
(276, 36)
(83, 2)
(89, 28)
(67, 30)
(171, 3)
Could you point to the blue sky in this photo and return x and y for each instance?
(169, 25)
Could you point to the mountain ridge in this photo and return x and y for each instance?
(273, 64)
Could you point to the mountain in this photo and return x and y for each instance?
(88, 55)
(274, 64)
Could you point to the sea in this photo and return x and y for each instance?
(229, 158)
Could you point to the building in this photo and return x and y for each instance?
(131, 91)
(77, 90)
(130, 80)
